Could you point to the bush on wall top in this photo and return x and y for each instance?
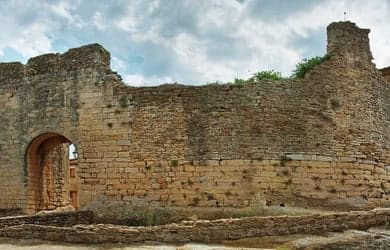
(308, 64)
(300, 71)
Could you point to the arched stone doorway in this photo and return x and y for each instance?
(48, 173)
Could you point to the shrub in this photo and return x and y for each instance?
(259, 76)
(239, 81)
(266, 75)
(308, 64)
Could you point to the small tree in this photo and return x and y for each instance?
(308, 64)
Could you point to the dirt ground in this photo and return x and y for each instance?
(14, 244)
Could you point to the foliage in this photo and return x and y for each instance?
(260, 76)
(266, 75)
(215, 83)
(300, 71)
(239, 81)
(308, 64)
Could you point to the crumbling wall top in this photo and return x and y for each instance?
(9, 71)
(92, 55)
(348, 42)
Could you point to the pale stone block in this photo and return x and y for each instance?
(347, 159)
(296, 157)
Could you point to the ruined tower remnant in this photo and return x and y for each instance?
(348, 43)
(321, 141)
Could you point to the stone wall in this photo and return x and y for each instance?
(223, 145)
(296, 180)
(40, 98)
(204, 231)
(61, 219)
(386, 73)
(10, 212)
(318, 141)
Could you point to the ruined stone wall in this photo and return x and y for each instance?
(61, 219)
(215, 231)
(230, 145)
(38, 98)
(320, 141)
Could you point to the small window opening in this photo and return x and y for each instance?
(73, 155)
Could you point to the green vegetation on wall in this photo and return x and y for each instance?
(266, 75)
(308, 64)
(260, 76)
(301, 68)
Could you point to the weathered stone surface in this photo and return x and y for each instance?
(205, 230)
(319, 141)
(54, 219)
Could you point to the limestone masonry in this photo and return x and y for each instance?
(322, 141)
(65, 228)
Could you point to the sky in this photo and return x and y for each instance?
(188, 41)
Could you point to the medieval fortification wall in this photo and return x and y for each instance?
(318, 141)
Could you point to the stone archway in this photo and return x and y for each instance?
(48, 172)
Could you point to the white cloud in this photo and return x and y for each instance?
(33, 41)
(117, 64)
(27, 38)
(190, 41)
(99, 21)
(63, 9)
(138, 80)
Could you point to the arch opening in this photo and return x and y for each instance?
(49, 184)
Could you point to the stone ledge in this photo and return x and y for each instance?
(204, 231)
(54, 219)
(10, 212)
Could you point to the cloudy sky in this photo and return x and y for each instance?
(188, 41)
